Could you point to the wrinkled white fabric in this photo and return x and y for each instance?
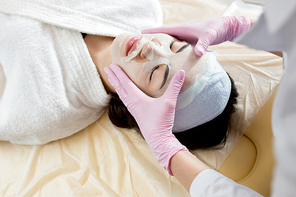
(50, 87)
(49, 91)
(99, 17)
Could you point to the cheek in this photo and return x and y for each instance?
(136, 73)
(133, 72)
(187, 83)
(191, 64)
(151, 90)
(115, 51)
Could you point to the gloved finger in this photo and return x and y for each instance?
(162, 29)
(180, 32)
(175, 86)
(202, 45)
(177, 31)
(199, 50)
(115, 82)
(125, 82)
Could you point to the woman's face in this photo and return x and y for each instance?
(151, 60)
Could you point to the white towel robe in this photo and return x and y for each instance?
(49, 86)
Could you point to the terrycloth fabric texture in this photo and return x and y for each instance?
(109, 18)
(50, 87)
(209, 103)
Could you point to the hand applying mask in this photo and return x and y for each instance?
(155, 116)
(204, 34)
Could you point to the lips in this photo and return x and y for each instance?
(131, 45)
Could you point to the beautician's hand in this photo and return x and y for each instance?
(204, 34)
(155, 116)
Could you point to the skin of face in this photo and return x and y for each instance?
(150, 60)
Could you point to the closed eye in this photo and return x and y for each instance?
(177, 47)
(171, 45)
(182, 48)
(154, 69)
(165, 76)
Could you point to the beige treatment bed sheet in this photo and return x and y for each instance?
(103, 160)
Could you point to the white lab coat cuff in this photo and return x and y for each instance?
(202, 181)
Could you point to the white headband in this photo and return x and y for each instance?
(207, 104)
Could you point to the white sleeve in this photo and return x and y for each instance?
(278, 33)
(210, 183)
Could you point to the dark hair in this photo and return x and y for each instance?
(210, 134)
(83, 35)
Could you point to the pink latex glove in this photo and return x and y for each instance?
(155, 116)
(204, 34)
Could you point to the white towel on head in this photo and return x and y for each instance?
(50, 87)
(209, 103)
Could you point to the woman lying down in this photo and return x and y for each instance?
(206, 100)
(54, 102)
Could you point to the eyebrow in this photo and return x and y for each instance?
(165, 77)
(182, 48)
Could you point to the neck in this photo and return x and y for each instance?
(99, 48)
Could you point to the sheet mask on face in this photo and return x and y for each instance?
(157, 49)
(129, 61)
(204, 94)
(154, 52)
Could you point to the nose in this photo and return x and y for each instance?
(150, 49)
